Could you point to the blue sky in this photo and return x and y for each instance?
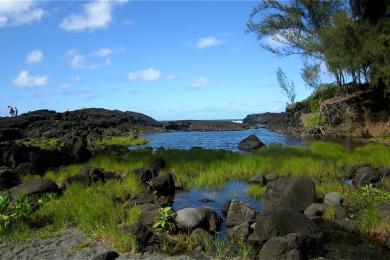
(169, 60)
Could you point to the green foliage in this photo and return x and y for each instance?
(312, 120)
(310, 74)
(256, 191)
(120, 141)
(21, 210)
(323, 92)
(163, 222)
(371, 223)
(287, 87)
(368, 197)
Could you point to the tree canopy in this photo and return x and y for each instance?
(351, 38)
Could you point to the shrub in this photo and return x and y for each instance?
(163, 222)
(325, 91)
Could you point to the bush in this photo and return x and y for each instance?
(323, 92)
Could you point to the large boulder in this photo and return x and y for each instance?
(250, 143)
(283, 221)
(293, 246)
(8, 178)
(189, 219)
(239, 212)
(144, 175)
(157, 165)
(291, 192)
(163, 184)
(34, 188)
(366, 175)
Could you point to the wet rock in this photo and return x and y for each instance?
(240, 212)
(332, 198)
(258, 179)
(283, 221)
(250, 143)
(291, 192)
(213, 220)
(109, 255)
(144, 236)
(149, 214)
(34, 187)
(292, 246)
(157, 165)
(347, 224)
(190, 218)
(8, 178)
(270, 177)
(366, 175)
(314, 210)
(225, 208)
(163, 184)
(238, 232)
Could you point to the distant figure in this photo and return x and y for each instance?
(16, 112)
(11, 111)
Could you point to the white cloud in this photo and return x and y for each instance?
(35, 56)
(80, 61)
(104, 52)
(199, 83)
(208, 42)
(14, 13)
(23, 79)
(95, 15)
(150, 74)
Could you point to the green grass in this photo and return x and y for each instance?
(120, 141)
(94, 210)
(371, 223)
(256, 191)
(43, 143)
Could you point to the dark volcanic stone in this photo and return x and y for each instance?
(109, 255)
(34, 187)
(366, 175)
(8, 178)
(293, 246)
(239, 212)
(250, 143)
(157, 165)
(144, 236)
(163, 184)
(9, 134)
(238, 232)
(282, 221)
(291, 192)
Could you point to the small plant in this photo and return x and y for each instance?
(163, 222)
(330, 213)
(369, 197)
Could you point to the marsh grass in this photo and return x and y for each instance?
(120, 141)
(371, 223)
(256, 191)
(94, 211)
(43, 143)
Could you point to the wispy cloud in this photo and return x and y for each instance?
(105, 52)
(79, 61)
(14, 13)
(68, 84)
(200, 83)
(94, 15)
(35, 56)
(150, 74)
(208, 42)
(24, 79)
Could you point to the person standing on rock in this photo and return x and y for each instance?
(11, 111)
(16, 112)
